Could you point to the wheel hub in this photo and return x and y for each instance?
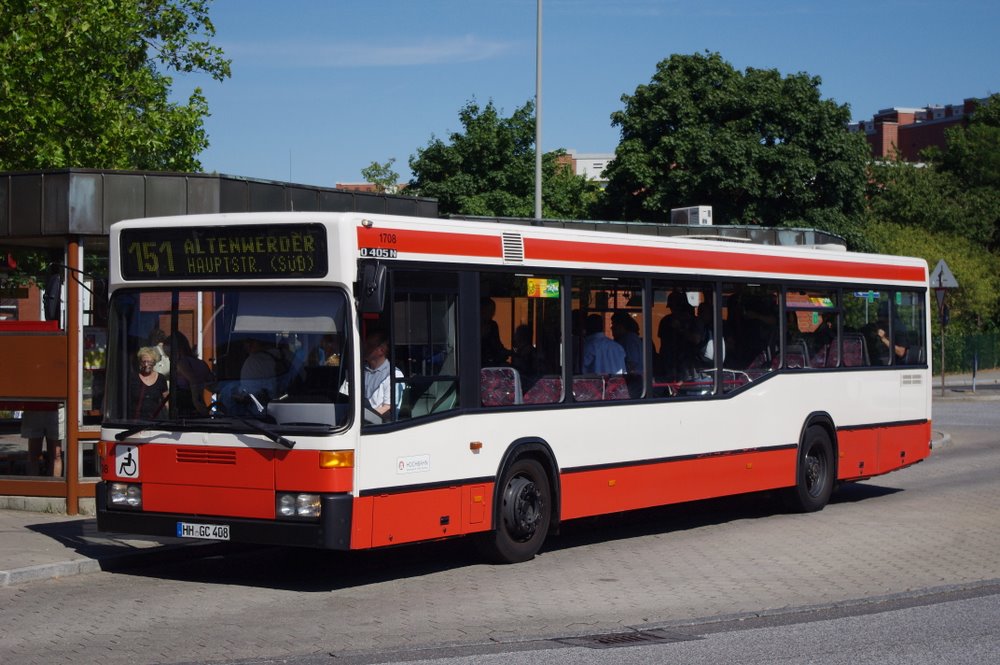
(814, 474)
(522, 508)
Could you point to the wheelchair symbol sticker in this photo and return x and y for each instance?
(127, 461)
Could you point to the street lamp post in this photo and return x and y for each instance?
(538, 114)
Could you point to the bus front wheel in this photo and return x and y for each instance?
(523, 515)
(814, 478)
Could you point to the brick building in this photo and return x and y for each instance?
(904, 132)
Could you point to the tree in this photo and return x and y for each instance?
(948, 207)
(83, 84)
(927, 197)
(976, 304)
(760, 148)
(972, 158)
(382, 176)
(489, 169)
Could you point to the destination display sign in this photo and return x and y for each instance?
(224, 252)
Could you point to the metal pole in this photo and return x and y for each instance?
(538, 114)
(942, 359)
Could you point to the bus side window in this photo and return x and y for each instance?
(684, 341)
(862, 346)
(811, 324)
(520, 348)
(751, 333)
(909, 325)
(425, 342)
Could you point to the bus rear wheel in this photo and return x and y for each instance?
(523, 516)
(814, 478)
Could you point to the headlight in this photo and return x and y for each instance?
(125, 495)
(286, 505)
(304, 506)
(307, 505)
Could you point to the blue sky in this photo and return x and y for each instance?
(321, 88)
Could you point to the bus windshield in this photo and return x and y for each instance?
(243, 357)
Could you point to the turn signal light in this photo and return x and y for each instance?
(336, 459)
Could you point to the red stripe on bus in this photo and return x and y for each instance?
(668, 257)
(430, 242)
(863, 453)
(409, 517)
(620, 488)
(544, 249)
(391, 519)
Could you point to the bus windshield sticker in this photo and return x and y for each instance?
(543, 288)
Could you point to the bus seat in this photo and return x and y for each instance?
(616, 388)
(855, 350)
(499, 386)
(823, 358)
(588, 388)
(546, 390)
(796, 355)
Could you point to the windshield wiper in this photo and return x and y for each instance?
(135, 429)
(262, 429)
(257, 427)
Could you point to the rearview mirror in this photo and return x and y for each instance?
(371, 296)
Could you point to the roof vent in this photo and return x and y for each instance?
(513, 248)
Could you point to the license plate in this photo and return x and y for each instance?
(203, 531)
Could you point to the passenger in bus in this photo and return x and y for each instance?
(193, 376)
(682, 339)
(601, 354)
(894, 350)
(148, 387)
(259, 374)
(493, 352)
(157, 339)
(625, 331)
(525, 358)
(751, 331)
(327, 352)
(377, 382)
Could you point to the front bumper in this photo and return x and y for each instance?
(332, 531)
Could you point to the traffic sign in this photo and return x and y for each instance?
(942, 277)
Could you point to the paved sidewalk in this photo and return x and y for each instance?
(38, 546)
(984, 386)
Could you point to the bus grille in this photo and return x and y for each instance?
(205, 456)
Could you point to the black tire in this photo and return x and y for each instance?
(522, 516)
(814, 476)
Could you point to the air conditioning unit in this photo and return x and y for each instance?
(692, 215)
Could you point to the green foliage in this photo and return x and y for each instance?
(82, 84)
(32, 265)
(760, 148)
(972, 158)
(489, 169)
(930, 198)
(948, 208)
(974, 305)
(382, 176)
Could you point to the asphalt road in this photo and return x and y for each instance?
(901, 568)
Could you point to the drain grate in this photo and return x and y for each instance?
(629, 639)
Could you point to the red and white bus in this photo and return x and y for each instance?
(352, 381)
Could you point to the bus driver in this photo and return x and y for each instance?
(378, 387)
